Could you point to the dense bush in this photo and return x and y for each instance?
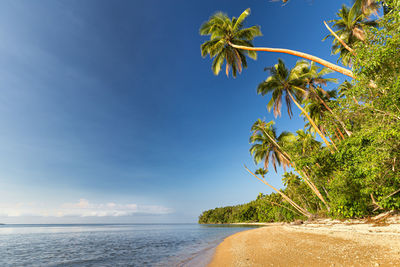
(265, 209)
(356, 173)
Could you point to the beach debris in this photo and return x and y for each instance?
(382, 216)
(297, 222)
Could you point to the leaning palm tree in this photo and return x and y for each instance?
(286, 83)
(316, 109)
(228, 37)
(266, 146)
(267, 135)
(223, 30)
(306, 143)
(348, 30)
(314, 81)
(303, 211)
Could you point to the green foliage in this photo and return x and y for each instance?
(349, 25)
(266, 208)
(361, 176)
(222, 31)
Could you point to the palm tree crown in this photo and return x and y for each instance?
(307, 142)
(290, 84)
(281, 83)
(349, 28)
(317, 109)
(223, 32)
(265, 144)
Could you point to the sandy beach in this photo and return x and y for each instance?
(327, 243)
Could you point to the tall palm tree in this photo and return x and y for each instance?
(266, 146)
(349, 28)
(267, 134)
(286, 83)
(228, 37)
(289, 178)
(222, 31)
(317, 110)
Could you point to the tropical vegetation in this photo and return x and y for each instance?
(354, 172)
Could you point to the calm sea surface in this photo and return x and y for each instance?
(110, 245)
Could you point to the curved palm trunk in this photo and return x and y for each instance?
(277, 145)
(340, 132)
(337, 136)
(311, 121)
(298, 54)
(297, 207)
(314, 188)
(349, 133)
(279, 205)
(305, 177)
(340, 40)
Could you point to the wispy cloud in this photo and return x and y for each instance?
(82, 208)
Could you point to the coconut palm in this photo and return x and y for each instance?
(314, 81)
(266, 146)
(303, 211)
(345, 88)
(227, 38)
(307, 142)
(316, 109)
(265, 133)
(224, 31)
(349, 29)
(262, 172)
(287, 83)
(289, 178)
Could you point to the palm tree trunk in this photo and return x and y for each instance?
(349, 133)
(311, 121)
(315, 189)
(297, 207)
(298, 54)
(305, 177)
(340, 132)
(337, 136)
(277, 145)
(340, 40)
(279, 205)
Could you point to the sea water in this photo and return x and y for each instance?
(110, 245)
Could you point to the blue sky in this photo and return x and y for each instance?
(108, 112)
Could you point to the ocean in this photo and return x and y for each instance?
(110, 244)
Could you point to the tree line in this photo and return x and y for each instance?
(354, 171)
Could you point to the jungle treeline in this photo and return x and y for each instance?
(354, 171)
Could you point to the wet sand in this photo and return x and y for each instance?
(311, 245)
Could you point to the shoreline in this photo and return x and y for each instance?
(204, 256)
(319, 243)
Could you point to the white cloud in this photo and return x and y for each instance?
(82, 208)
